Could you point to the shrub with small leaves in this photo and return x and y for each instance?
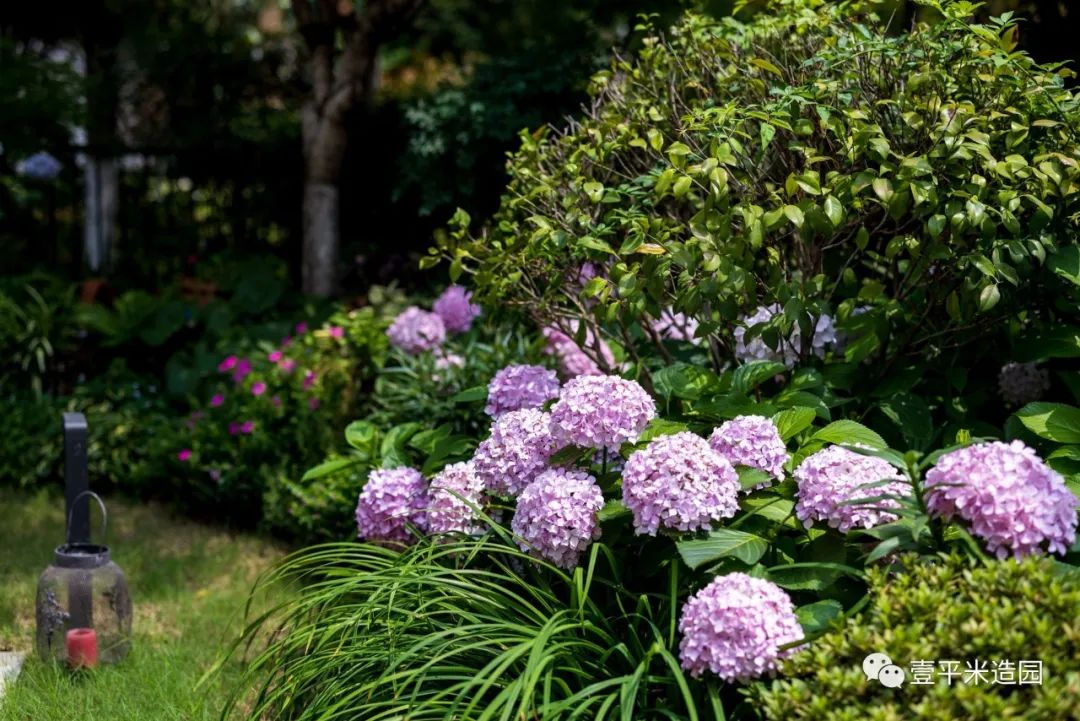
(950, 609)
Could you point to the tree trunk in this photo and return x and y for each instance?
(324, 137)
(99, 226)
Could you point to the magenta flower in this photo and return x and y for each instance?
(247, 427)
(309, 379)
(456, 309)
(242, 370)
(735, 626)
(287, 366)
(679, 483)
(301, 328)
(313, 403)
(275, 356)
(392, 500)
(258, 388)
(336, 331)
(286, 342)
(1007, 496)
(227, 365)
(184, 455)
(556, 516)
(234, 428)
(217, 400)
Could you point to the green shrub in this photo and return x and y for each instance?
(950, 609)
(805, 159)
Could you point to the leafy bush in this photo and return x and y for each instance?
(943, 609)
(918, 189)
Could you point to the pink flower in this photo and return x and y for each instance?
(276, 400)
(313, 403)
(301, 328)
(227, 365)
(234, 428)
(217, 400)
(287, 365)
(243, 368)
(336, 331)
(309, 379)
(184, 456)
(258, 389)
(275, 356)
(247, 427)
(286, 342)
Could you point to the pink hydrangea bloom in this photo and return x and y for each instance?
(184, 455)
(601, 412)
(520, 386)
(416, 330)
(393, 499)
(228, 364)
(556, 516)
(516, 452)
(751, 441)
(452, 491)
(832, 478)
(788, 350)
(679, 483)
(258, 388)
(572, 360)
(217, 400)
(1007, 496)
(1022, 383)
(456, 309)
(735, 626)
(672, 325)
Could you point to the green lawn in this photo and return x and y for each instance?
(189, 585)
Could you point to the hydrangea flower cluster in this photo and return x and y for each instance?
(556, 516)
(735, 626)
(456, 309)
(679, 483)
(391, 501)
(452, 491)
(39, 166)
(1007, 496)
(672, 325)
(788, 350)
(1022, 383)
(516, 452)
(416, 330)
(601, 412)
(572, 360)
(751, 441)
(520, 386)
(833, 477)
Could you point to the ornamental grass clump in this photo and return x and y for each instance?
(1006, 496)
(520, 386)
(735, 627)
(555, 517)
(678, 483)
(848, 490)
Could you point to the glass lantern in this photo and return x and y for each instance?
(83, 604)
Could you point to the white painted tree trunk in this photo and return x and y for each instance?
(321, 238)
(102, 206)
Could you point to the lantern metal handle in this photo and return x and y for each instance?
(104, 516)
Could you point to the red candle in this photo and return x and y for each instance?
(82, 648)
